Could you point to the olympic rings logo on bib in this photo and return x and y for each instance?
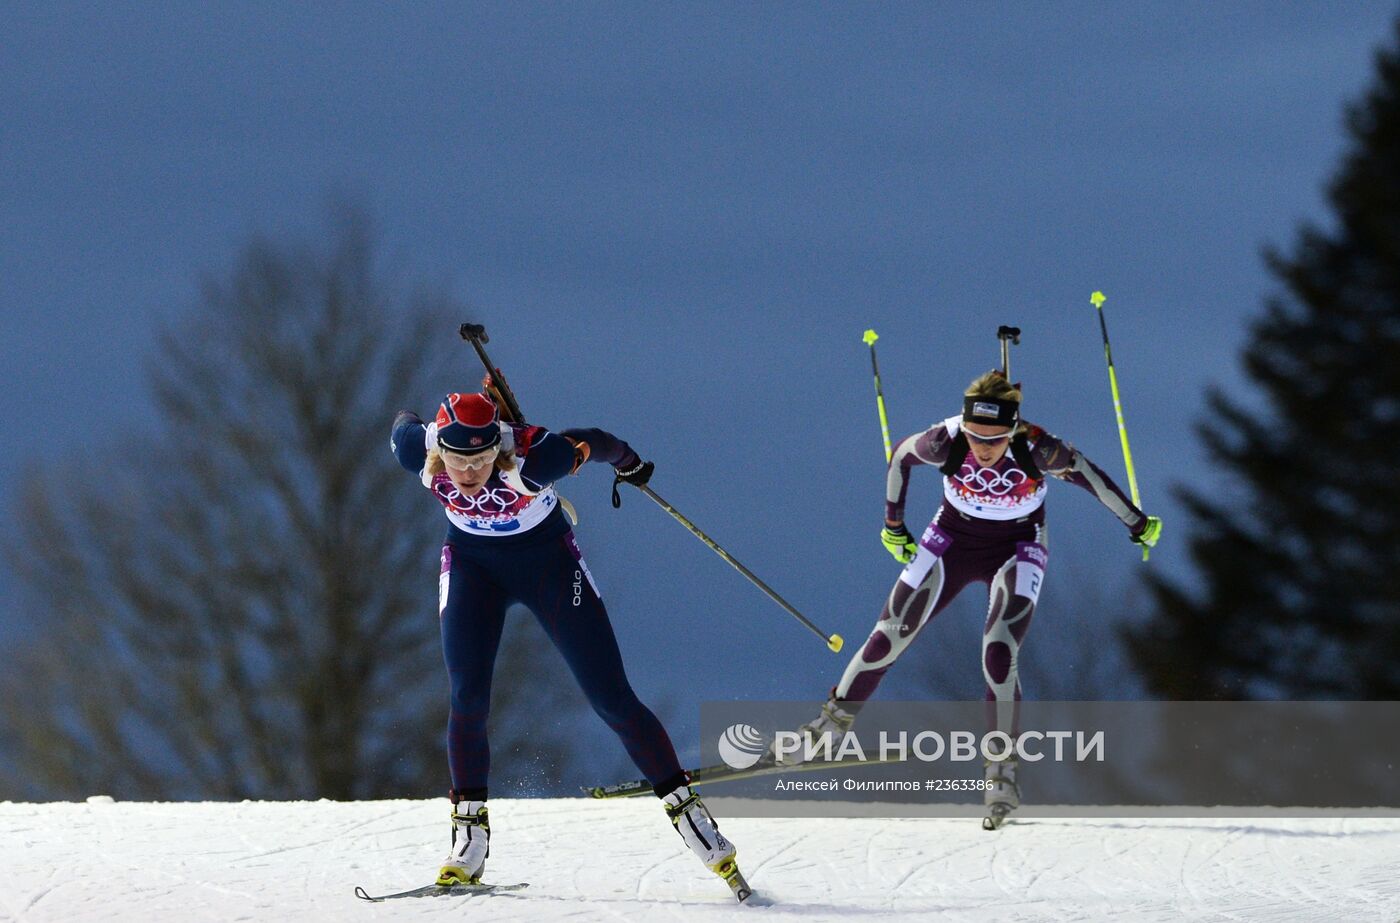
(494, 509)
(990, 493)
(485, 501)
(990, 481)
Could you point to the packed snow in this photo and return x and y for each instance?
(619, 860)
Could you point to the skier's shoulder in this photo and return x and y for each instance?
(408, 440)
(544, 456)
(1035, 433)
(1038, 436)
(942, 434)
(931, 445)
(1050, 452)
(525, 437)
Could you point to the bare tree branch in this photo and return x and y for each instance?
(244, 603)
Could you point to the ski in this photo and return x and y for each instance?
(709, 775)
(436, 890)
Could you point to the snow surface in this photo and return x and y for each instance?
(619, 860)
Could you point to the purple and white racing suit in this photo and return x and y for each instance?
(989, 528)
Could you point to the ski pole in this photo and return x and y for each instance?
(1097, 299)
(476, 335)
(832, 641)
(870, 337)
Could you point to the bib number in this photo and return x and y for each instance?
(1031, 558)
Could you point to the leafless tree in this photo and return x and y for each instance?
(240, 600)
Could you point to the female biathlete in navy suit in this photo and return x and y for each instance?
(508, 542)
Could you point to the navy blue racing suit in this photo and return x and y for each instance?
(510, 543)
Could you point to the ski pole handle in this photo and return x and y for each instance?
(870, 337)
(833, 641)
(1097, 299)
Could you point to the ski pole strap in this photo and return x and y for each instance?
(616, 497)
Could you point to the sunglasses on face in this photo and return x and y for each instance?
(987, 440)
(458, 462)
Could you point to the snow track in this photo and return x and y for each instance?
(612, 861)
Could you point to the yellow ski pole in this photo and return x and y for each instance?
(1097, 299)
(870, 337)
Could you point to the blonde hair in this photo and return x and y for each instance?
(993, 384)
(505, 461)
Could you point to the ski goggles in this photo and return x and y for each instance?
(477, 460)
(987, 440)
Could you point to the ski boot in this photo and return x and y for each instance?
(699, 831)
(1002, 795)
(836, 719)
(471, 844)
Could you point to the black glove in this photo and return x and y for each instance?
(636, 474)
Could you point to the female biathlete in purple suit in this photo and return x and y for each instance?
(990, 529)
(508, 542)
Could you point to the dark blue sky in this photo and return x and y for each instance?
(677, 222)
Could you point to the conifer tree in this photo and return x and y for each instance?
(1297, 541)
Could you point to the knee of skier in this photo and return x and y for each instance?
(617, 707)
(1017, 620)
(904, 613)
(877, 647)
(998, 661)
(468, 702)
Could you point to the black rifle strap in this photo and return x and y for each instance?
(1020, 451)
